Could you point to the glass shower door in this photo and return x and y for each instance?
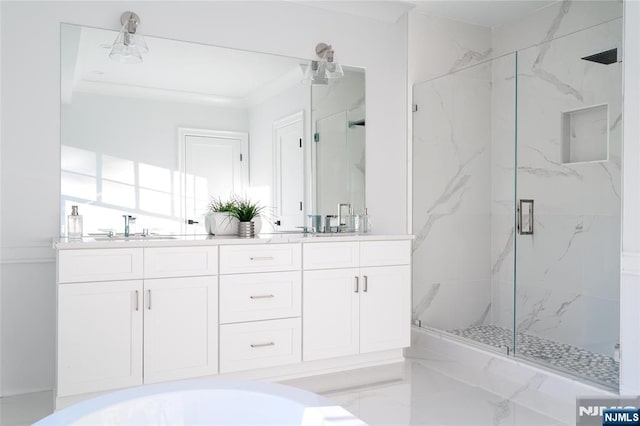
(463, 197)
(569, 137)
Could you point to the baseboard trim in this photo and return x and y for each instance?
(27, 254)
(280, 373)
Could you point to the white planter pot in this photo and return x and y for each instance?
(224, 224)
(221, 224)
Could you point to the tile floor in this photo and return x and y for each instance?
(408, 393)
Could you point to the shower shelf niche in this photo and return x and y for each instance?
(585, 134)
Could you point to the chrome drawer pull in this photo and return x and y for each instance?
(262, 345)
(356, 281)
(262, 258)
(149, 299)
(366, 284)
(137, 300)
(264, 296)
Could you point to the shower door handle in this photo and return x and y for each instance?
(525, 217)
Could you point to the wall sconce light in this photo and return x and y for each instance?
(129, 45)
(320, 72)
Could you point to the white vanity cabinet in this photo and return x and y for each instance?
(146, 312)
(357, 306)
(260, 306)
(114, 334)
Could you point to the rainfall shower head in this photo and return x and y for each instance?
(356, 123)
(607, 57)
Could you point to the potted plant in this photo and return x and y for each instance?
(247, 212)
(220, 219)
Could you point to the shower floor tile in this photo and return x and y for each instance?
(593, 366)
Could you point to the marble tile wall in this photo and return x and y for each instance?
(452, 199)
(438, 46)
(463, 181)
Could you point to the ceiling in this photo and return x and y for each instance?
(479, 12)
(386, 11)
(177, 70)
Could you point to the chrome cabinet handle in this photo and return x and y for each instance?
(262, 258)
(262, 296)
(149, 299)
(356, 282)
(262, 345)
(137, 300)
(365, 286)
(525, 228)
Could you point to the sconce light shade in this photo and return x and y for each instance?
(320, 72)
(129, 45)
(334, 70)
(314, 73)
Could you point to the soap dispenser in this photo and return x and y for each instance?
(74, 224)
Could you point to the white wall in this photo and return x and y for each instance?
(630, 290)
(31, 128)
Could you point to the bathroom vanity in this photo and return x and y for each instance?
(145, 311)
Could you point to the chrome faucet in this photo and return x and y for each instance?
(344, 210)
(327, 222)
(127, 218)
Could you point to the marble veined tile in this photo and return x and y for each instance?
(426, 396)
(462, 303)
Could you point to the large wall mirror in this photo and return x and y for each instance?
(157, 139)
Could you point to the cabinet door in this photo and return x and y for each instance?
(99, 336)
(385, 308)
(180, 328)
(330, 313)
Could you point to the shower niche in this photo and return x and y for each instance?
(585, 134)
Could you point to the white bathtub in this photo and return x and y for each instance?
(205, 402)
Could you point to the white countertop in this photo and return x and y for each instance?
(205, 240)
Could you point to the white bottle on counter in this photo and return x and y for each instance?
(74, 224)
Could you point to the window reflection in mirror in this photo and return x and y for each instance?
(156, 140)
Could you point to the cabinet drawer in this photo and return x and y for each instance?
(259, 258)
(383, 253)
(331, 255)
(251, 345)
(99, 265)
(252, 297)
(166, 262)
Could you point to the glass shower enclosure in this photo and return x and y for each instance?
(516, 203)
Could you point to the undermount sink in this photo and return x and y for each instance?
(134, 238)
